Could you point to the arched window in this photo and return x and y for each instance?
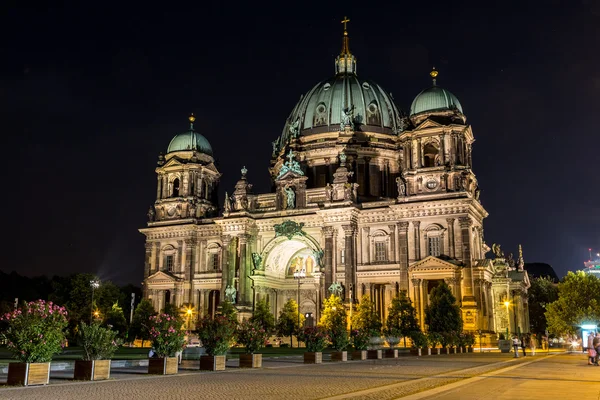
(175, 188)
(213, 262)
(434, 237)
(380, 244)
(430, 154)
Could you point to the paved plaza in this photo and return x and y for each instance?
(460, 376)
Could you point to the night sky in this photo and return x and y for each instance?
(90, 97)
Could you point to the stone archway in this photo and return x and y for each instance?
(281, 255)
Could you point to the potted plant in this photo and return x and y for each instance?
(419, 341)
(366, 318)
(217, 335)
(503, 344)
(253, 337)
(392, 341)
(333, 321)
(469, 341)
(360, 342)
(315, 340)
(433, 340)
(99, 345)
(168, 339)
(34, 333)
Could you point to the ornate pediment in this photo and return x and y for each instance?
(428, 124)
(173, 162)
(162, 277)
(289, 229)
(432, 263)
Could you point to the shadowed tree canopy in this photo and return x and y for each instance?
(542, 292)
(366, 318)
(402, 318)
(263, 316)
(139, 328)
(443, 314)
(287, 323)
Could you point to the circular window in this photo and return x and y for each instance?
(372, 108)
(431, 184)
(366, 86)
(326, 86)
(171, 211)
(321, 108)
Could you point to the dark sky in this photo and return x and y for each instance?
(89, 97)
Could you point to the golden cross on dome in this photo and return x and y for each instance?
(345, 22)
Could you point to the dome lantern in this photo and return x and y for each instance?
(345, 63)
(190, 141)
(435, 100)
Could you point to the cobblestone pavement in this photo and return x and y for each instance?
(281, 378)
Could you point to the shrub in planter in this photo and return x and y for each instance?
(333, 321)
(99, 345)
(217, 335)
(253, 337)
(316, 340)
(168, 339)
(419, 341)
(367, 319)
(433, 339)
(34, 333)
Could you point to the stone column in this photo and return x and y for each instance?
(442, 151)
(156, 256)
(178, 267)
(350, 261)
(414, 154)
(465, 231)
(148, 259)
(403, 254)
(367, 176)
(366, 239)
(328, 256)
(189, 273)
(159, 180)
(392, 243)
(420, 149)
(244, 290)
(417, 225)
(451, 242)
(225, 265)
(232, 266)
(490, 306)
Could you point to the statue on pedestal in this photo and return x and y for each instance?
(151, 214)
(291, 198)
(401, 186)
(230, 293)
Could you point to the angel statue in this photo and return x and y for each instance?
(347, 118)
(230, 294)
(336, 289)
(497, 251)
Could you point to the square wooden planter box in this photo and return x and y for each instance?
(250, 360)
(28, 374)
(313, 358)
(339, 356)
(391, 353)
(359, 355)
(374, 354)
(94, 370)
(213, 363)
(163, 366)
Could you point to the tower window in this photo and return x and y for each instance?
(169, 261)
(176, 187)
(214, 261)
(434, 246)
(430, 155)
(380, 252)
(343, 257)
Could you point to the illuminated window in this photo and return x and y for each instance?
(169, 263)
(343, 257)
(215, 260)
(434, 246)
(380, 252)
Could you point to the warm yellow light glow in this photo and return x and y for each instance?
(189, 311)
(506, 303)
(96, 314)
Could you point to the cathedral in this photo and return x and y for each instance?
(365, 200)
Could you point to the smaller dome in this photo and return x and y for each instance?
(434, 99)
(190, 141)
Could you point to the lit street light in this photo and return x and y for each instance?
(95, 284)
(298, 275)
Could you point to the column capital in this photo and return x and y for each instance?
(327, 231)
(148, 246)
(349, 230)
(465, 222)
(450, 221)
(479, 281)
(392, 228)
(416, 281)
(416, 224)
(189, 242)
(243, 238)
(403, 226)
(226, 239)
(451, 281)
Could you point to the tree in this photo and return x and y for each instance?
(578, 303)
(334, 321)
(542, 292)
(263, 316)
(140, 327)
(116, 320)
(402, 318)
(366, 318)
(172, 310)
(287, 324)
(228, 310)
(443, 315)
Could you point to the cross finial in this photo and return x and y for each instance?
(345, 22)
(290, 156)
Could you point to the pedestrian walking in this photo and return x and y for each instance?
(515, 343)
(590, 349)
(524, 344)
(596, 345)
(533, 344)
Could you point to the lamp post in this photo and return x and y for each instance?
(189, 312)
(95, 284)
(298, 275)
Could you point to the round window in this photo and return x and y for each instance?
(431, 184)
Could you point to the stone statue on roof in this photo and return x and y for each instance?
(347, 118)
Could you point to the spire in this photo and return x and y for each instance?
(345, 63)
(434, 74)
(191, 118)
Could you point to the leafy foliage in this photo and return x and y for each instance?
(115, 319)
(167, 334)
(35, 331)
(315, 339)
(172, 310)
(433, 339)
(228, 311)
(366, 318)
(578, 302)
(98, 343)
(443, 315)
(252, 336)
(140, 325)
(542, 292)
(333, 322)
(263, 316)
(217, 334)
(287, 324)
(418, 339)
(401, 320)
(360, 339)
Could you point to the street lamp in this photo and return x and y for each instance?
(298, 275)
(95, 284)
(189, 312)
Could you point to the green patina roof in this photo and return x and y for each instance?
(434, 99)
(188, 141)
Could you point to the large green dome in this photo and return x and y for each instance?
(434, 99)
(190, 141)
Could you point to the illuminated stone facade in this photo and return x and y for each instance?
(362, 196)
